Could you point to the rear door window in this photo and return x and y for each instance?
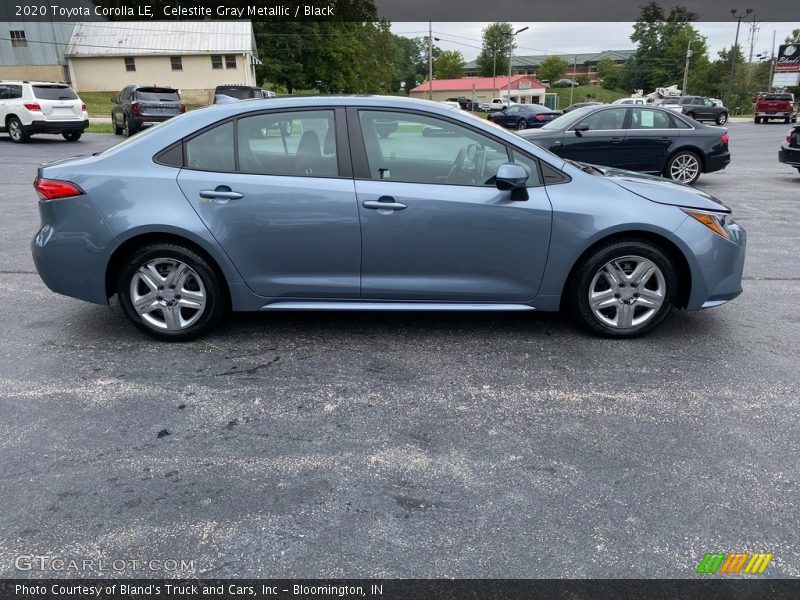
(212, 150)
(650, 119)
(54, 92)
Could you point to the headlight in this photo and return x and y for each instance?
(715, 221)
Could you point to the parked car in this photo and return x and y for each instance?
(634, 101)
(32, 107)
(638, 138)
(240, 92)
(452, 104)
(565, 83)
(775, 106)
(524, 116)
(572, 107)
(700, 108)
(790, 149)
(495, 104)
(141, 106)
(176, 225)
(465, 103)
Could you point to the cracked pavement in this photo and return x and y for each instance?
(406, 445)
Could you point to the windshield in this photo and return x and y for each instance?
(564, 121)
(54, 92)
(157, 95)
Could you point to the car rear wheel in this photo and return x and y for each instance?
(170, 292)
(787, 120)
(521, 124)
(15, 131)
(128, 129)
(72, 136)
(721, 119)
(683, 167)
(623, 289)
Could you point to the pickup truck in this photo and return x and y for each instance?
(495, 104)
(775, 106)
(465, 103)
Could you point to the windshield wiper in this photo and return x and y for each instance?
(586, 168)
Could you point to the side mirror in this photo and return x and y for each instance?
(513, 177)
(579, 129)
(113, 100)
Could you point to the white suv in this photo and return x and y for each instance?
(29, 107)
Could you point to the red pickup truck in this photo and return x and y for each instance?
(775, 106)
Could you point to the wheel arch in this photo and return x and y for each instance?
(689, 148)
(138, 240)
(673, 252)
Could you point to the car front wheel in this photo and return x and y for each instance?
(683, 167)
(170, 292)
(623, 289)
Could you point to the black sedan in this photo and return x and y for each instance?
(524, 116)
(637, 138)
(790, 149)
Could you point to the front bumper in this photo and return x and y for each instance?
(716, 264)
(790, 156)
(55, 126)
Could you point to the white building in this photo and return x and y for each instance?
(192, 56)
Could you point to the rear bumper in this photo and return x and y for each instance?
(775, 115)
(55, 126)
(790, 156)
(717, 162)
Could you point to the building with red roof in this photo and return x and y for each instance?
(525, 89)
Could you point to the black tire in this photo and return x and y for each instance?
(72, 136)
(15, 131)
(757, 120)
(212, 286)
(676, 157)
(721, 119)
(579, 288)
(117, 128)
(129, 128)
(787, 120)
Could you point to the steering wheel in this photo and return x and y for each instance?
(458, 164)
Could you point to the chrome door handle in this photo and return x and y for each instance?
(383, 203)
(221, 192)
(615, 140)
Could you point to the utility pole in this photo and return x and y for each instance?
(511, 59)
(753, 35)
(430, 61)
(735, 15)
(574, 68)
(686, 68)
(771, 63)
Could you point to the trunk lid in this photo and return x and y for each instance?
(58, 102)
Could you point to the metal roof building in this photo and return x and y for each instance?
(192, 56)
(579, 64)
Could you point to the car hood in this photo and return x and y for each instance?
(662, 191)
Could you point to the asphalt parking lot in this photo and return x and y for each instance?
(406, 445)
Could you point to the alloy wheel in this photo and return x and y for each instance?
(521, 125)
(627, 292)
(168, 294)
(684, 168)
(15, 130)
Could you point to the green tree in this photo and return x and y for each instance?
(498, 42)
(448, 65)
(552, 68)
(794, 38)
(610, 73)
(662, 41)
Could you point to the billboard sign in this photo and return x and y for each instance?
(788, 58)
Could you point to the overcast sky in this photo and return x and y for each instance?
(565, 38)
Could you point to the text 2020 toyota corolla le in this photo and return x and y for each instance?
(372, 204)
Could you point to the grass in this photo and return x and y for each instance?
(100, 128)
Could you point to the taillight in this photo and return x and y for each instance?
(32, 106)
(183, 108)
(83, 107)
(724, 138)
(53, 189)
(789, 137)
(135, 108)
(539, 117)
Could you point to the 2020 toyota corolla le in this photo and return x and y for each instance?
(359, 203)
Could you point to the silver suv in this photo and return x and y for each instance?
(30, 107)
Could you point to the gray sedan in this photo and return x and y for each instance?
(302, 204)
